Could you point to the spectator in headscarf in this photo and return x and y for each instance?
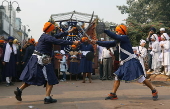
(18, 66)
(151, 32)
(63, 65)
(141, 52)
(165, 55)
(162, 30)
(156, 51)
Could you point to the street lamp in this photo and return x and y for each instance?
(10, 9)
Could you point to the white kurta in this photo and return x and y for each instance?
(100, 49)
(63, 64)
(156, 51)
(143, 52)
(165, 55)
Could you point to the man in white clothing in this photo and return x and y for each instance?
(151, 32)
(156, 51)
(107, 55)
(100, 49)
(141, 52)
(9, 61)
(165, 55)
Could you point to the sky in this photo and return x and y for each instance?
(35, 13)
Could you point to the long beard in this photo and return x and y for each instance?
(10, 43)
(73, 49)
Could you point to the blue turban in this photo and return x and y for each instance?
(10, 37)
(153, 29)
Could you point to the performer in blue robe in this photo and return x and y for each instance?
(39, 70)
(9, 61)
(130, 67)
(74, 61)
(86, 65)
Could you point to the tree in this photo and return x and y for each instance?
(137, 31)
(144, 14)
(145, 11)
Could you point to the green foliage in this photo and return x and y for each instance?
(145, 11)
(144, 14)
(137, 31)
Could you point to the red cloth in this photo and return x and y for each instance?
(2, 41)
(116, 65)
(159, 38)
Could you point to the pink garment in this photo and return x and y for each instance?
(159, 38)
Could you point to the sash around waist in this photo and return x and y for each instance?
(127, 59)
(38, 53)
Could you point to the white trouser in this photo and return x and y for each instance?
(168, 68)
(45, 73)
(8, 79)
(140, 80)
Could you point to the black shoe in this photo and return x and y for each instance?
(110, 79)
(11, 84)
(50, 100)
(103, 78)
(18, 94)
(7, 84)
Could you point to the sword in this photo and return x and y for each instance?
(83, 30)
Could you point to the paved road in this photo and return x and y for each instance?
(76, 95)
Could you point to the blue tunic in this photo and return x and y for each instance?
(74, 66)
(86, 65)
(32, 73)
(28, 53)
(130, 70)
(60, 35)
